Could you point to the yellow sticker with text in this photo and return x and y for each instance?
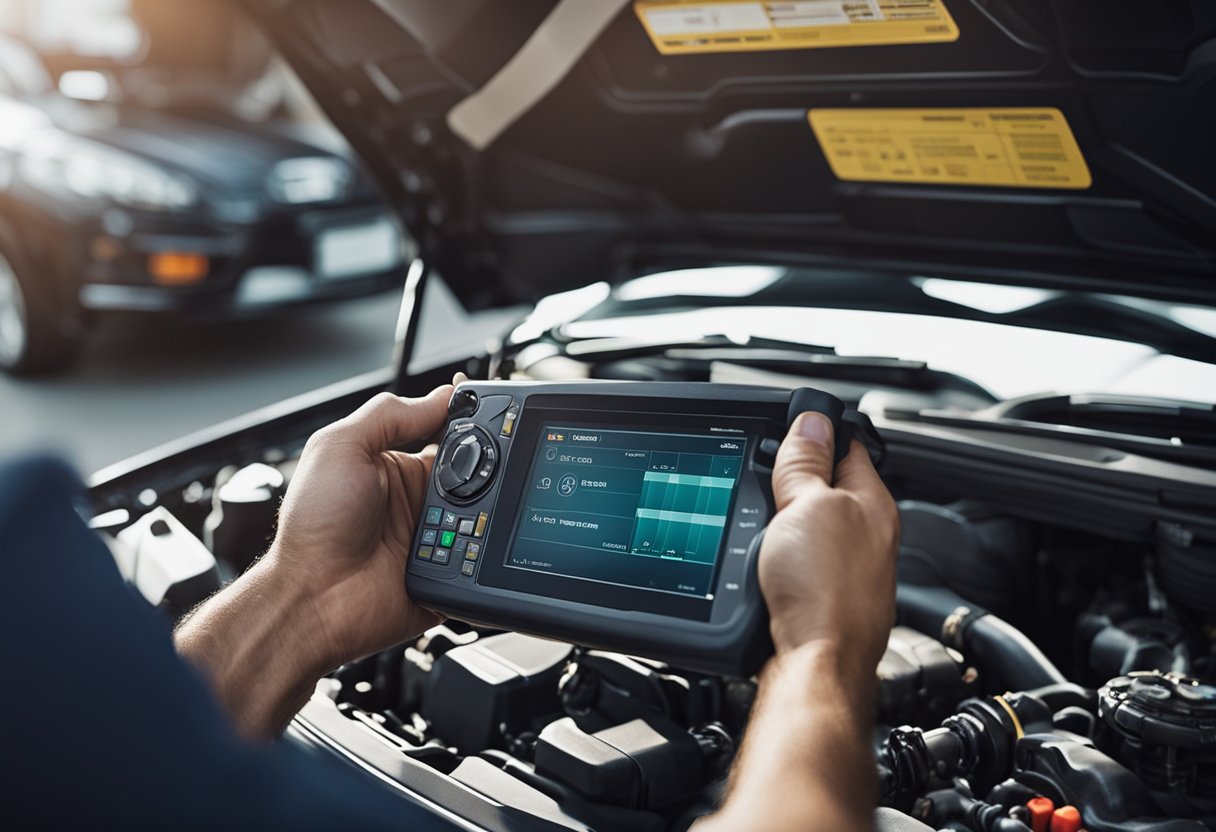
(679, 27)
(1011, 146)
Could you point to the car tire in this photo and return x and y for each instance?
(32, 342)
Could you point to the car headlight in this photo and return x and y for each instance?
(94, 171)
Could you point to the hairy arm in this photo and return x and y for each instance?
(262, 644)
(332, 587)
(827, 571)
(806, 762)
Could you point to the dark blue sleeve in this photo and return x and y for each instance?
(105, 727)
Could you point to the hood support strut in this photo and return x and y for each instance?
(409, 318)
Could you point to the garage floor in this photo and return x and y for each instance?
(145, 381)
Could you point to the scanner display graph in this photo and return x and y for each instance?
(642, 509)
(681, 515)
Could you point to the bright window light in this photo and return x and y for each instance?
(1198, 318)
(85, 85)
(556, 309)
(986, 297)
(716, 282)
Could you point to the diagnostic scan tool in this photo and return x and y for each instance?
(618, 515)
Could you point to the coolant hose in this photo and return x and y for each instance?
(1000, 650)
(1059, 697)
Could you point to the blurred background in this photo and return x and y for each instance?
(183, 236)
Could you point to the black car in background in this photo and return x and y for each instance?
(107, 206)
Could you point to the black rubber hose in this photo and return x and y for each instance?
(1113, 651)
(1001, 651)
(1068, 695)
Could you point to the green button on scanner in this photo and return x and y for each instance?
(447, 539)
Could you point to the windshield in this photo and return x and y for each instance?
(1006, 359)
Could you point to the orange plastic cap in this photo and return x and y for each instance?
(1040, 813)
(1066, 819)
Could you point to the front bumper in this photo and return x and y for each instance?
(275, 288)
(309, 257)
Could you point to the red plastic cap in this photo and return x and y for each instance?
(1066, 819)
(1040, 813)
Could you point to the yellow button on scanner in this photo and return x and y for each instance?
(508, 421)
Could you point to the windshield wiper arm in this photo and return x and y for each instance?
(1176, 431)
(790, 357)
(1181, 422)
(610, 348)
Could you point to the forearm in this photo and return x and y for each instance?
(262, 646)
(806, 761)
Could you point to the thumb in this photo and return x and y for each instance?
(389, 421)
(805, 459)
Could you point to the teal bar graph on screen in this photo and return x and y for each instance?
(681, 516)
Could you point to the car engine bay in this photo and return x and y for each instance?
(1052, 667)
(988, 227)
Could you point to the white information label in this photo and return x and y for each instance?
(700, 20)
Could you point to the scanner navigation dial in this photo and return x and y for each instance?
(466, 464)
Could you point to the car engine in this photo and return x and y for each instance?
(1049, 671)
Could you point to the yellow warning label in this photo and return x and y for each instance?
(1019, 147)
(680, 27)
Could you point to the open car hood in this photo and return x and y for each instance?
(536, 146)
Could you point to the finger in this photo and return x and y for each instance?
(805, 459)
(427, 455)
(388, 421)
(459, 378)
(856, 473)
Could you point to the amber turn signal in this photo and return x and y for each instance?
(176, 268)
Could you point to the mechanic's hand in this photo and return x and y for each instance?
(332, 587)
(827, 565)
(827, 571)
(348, 522)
